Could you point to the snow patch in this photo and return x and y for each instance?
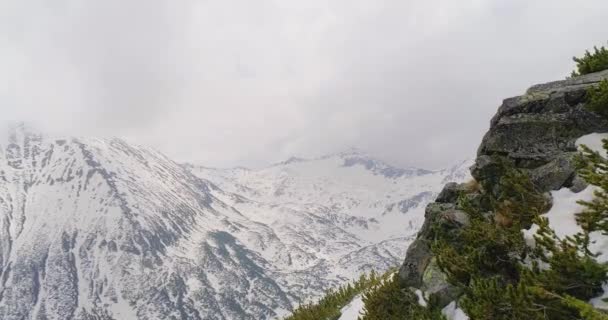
(421, 300)
(353, 310)
(562, 216)
(452, 312)
(599, 302)
(594, 142)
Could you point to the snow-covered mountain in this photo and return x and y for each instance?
(101, 229)
(358, 193)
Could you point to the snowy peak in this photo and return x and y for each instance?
(356, 157)
(290, 161)
(381, 168)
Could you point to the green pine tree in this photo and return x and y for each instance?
(389, 301)
(503, 278)
(328, 307)
(591, 61)
(597, 99)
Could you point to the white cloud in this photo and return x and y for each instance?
(250, 82)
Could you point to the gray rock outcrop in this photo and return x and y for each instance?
(536, 132)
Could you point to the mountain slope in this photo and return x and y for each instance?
(104, 230)
(101, 229)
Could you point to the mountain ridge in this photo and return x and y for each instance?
(350, 156)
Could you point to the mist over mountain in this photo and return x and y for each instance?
(303, 160)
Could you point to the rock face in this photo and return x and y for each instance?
(535, 132)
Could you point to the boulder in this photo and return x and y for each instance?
(488, 170)
(555, 174)
(452, 191)
(419, 253)
(454, 218)
(418, 257)
(578, 184)
(435, 284)
(449, 194)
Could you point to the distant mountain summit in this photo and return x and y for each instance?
(103, 229)
(357, 157)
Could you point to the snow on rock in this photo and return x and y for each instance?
(353, 310)
(452, 312)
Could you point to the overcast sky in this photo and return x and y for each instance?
(250, 82)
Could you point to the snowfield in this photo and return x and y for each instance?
(452, 312)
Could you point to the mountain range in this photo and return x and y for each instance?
(104, 229)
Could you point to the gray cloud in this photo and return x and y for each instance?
(251, 82)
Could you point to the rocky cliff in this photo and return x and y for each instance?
(535, 132)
